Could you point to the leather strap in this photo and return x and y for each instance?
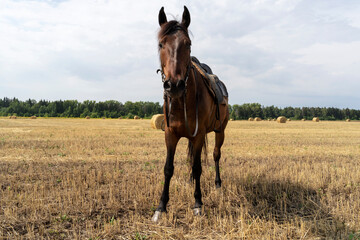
(168, 104)
(197, 109)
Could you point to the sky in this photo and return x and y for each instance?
(273, 52)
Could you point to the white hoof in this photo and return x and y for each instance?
(156, 216)
(197, 211)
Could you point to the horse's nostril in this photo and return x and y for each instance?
(167, 85)
(180, 85)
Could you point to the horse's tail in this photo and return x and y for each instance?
(190, 157)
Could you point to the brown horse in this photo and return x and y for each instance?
(190, 109)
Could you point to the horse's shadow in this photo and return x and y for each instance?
(286, 202)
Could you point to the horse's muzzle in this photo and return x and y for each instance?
(174, 89)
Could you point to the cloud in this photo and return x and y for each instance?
(275, 52)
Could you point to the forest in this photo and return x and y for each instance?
(116, 109)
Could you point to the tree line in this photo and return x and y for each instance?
(247, 110)
(74, 108)
(116, 109)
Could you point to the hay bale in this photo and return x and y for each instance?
(136, 117)
(120, 118)
(303, 119)
(315, 119)
(251, 119)
(87, 117)
(13, 117)
(274, 119)
(231, 119)
(269, 119)
(157, 121)
(281, 119)
(33, 117)
(257, 119)
(289, 119)
(348, 120)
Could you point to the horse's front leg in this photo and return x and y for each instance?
(196, 172)
(171, 142)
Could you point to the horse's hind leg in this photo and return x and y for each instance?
(219, 140)
(190, 160)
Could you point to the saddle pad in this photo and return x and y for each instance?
(204, 66)
(216, 87)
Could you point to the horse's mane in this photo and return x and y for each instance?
(170, 28)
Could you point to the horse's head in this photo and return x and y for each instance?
(174, 51)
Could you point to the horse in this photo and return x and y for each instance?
(190, 110)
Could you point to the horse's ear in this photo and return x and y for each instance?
(162, 17)
(185, 17)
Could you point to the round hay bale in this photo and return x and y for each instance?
(157, 121)
(87, 117)
(315, 119)
(303, 119)
(120, 118)
(257, 119)
(269, 119)
(251, 119)
(231, 119)
(281, 119)
(348, 120)
(289, 119)
(103, 118)
(136, 117)
(13, 117)
(274, 119)
(33, 117)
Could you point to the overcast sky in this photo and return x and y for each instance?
(274, 52)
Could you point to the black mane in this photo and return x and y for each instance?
(170, 28)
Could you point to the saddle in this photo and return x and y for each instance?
(216, 87)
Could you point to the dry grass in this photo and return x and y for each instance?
(102, 179)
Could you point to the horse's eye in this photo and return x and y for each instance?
(160, 45)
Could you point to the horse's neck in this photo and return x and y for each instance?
(193, 82)
(192, 86)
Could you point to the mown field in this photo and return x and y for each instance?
(102, 179)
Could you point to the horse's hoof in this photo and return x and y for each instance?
(156, 216)
(218, 186)
(197, 211)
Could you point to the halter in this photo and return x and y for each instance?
(167, 100)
